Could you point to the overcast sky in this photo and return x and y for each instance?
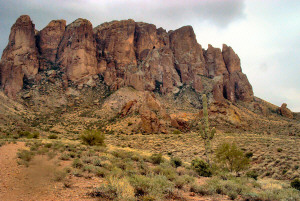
(264, 33)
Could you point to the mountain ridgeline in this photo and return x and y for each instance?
(122, 53)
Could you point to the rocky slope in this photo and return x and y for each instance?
(66, 68)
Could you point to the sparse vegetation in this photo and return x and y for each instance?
(93, 137)
(206, 133)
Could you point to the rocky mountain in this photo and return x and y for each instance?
(60, 65)
(124, 53)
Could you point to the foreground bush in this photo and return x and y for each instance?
(229, 156)
(201, 167)
(296, 184)
(92, 137)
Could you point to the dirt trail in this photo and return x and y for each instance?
(35, 182)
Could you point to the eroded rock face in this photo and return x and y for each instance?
(77, 52)
(231, 83)
(124, 53)
(284, 111)
(20, 57)
(189, 60)
(49, 39)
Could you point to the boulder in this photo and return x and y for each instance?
(286, 112)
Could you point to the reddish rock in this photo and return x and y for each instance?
(231, 59)
(20, 57)
(49, 39)
(215, 64)
(77, 51)
(286, 112)
(147, 37)
(152, 115)
(180, 124)
(189, 60)
(127, 108)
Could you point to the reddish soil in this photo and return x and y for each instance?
(36, 182)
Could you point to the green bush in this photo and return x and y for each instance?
(77, 163)
(25, 155)
(279, 150)
(249, 154)
(156, 186)
(156, 158)
(231, 157)
(201, 167)
(252, 174)
(93, 137)
(176, 162)
(296, 184)
(52, 136)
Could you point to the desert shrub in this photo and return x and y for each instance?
(176, 162)
(92, 137)
(156, 158)
(166, 170)
(25, 155)
(97, 162)
(52, 136)
(2, 143)
(176, 131)
(77, 163)
(279, 150)
(296, 184)
(48, 145)
(252, 174)
(201, 167)
(156, 186)
(279, 194)
(59, 175)
(249, 154)
(115, 189)
(231, 157)
(101, 172)
(35, 135)
(24, 133)
(64, 157)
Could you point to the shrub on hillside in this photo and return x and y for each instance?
(156, 158)
(92, 137)
(201, 167)
(296, 184)
(231, 157)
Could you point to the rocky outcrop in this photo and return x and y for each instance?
(49, 39)
(20, 57)
(77, 52)
(189, 60)
(230, 82)
(286, 112)
(153, 116)
(124, 53)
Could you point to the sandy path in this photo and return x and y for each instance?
(36, 182)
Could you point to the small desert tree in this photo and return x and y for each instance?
(207, 133)
(229, 156)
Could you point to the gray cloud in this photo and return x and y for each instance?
(169, 14)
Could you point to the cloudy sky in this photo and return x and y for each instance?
(264, 33)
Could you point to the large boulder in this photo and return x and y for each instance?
(286, 112)
(20, 57)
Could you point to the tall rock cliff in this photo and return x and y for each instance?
(124, 53)
(20, 57)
